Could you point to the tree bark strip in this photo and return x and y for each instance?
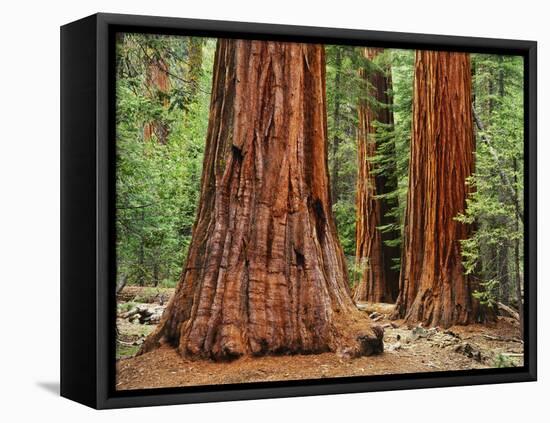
(265, 273)
(433, 287)
(378, 281)
(503, 256)
(335, 171)
(158, 84)
(195, 66)
(518, 277)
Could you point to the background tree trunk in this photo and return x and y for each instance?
(158, 84)
(141, 254)
(433, 287)
(265, 272)
(378, 281)
(503, 248)
(517, 259)
(335, 171)
(195, 66)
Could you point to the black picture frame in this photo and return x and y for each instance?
(87, 210)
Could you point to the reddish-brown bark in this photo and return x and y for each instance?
(433, 287)
(158, 84)
(378, 281)
(265, 273)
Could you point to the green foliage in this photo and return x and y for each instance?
(147, 295)
(485, 296)
(125, 351)
(502, 360)
(344, 213)
(491, 207)
(345, 88)
(402, 68)
(393, 141)
(124, 307)
(158, 185)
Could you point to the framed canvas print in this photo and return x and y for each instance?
(254, 211)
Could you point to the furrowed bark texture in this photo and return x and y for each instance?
(378, 281)
(158, 84)
(433, 287)
(265, 273)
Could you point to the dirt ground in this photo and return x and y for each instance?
(406, 350)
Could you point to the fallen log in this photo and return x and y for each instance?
(380, 308)
(129, 314)
(130, 344)
(144, 313)
(507, 311)
(501, 338)
(512, 354)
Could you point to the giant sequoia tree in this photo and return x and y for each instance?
(265, 272)
(433, 287)
(378, 280)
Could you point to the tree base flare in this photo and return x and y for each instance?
(350, 339)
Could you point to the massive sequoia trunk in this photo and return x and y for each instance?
(265, 273)
(433, 287)
(378, 282)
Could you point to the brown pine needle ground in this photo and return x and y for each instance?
(407, 350)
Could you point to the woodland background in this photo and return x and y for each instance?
(38, 374)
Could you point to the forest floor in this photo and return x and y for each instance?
(407, 349)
